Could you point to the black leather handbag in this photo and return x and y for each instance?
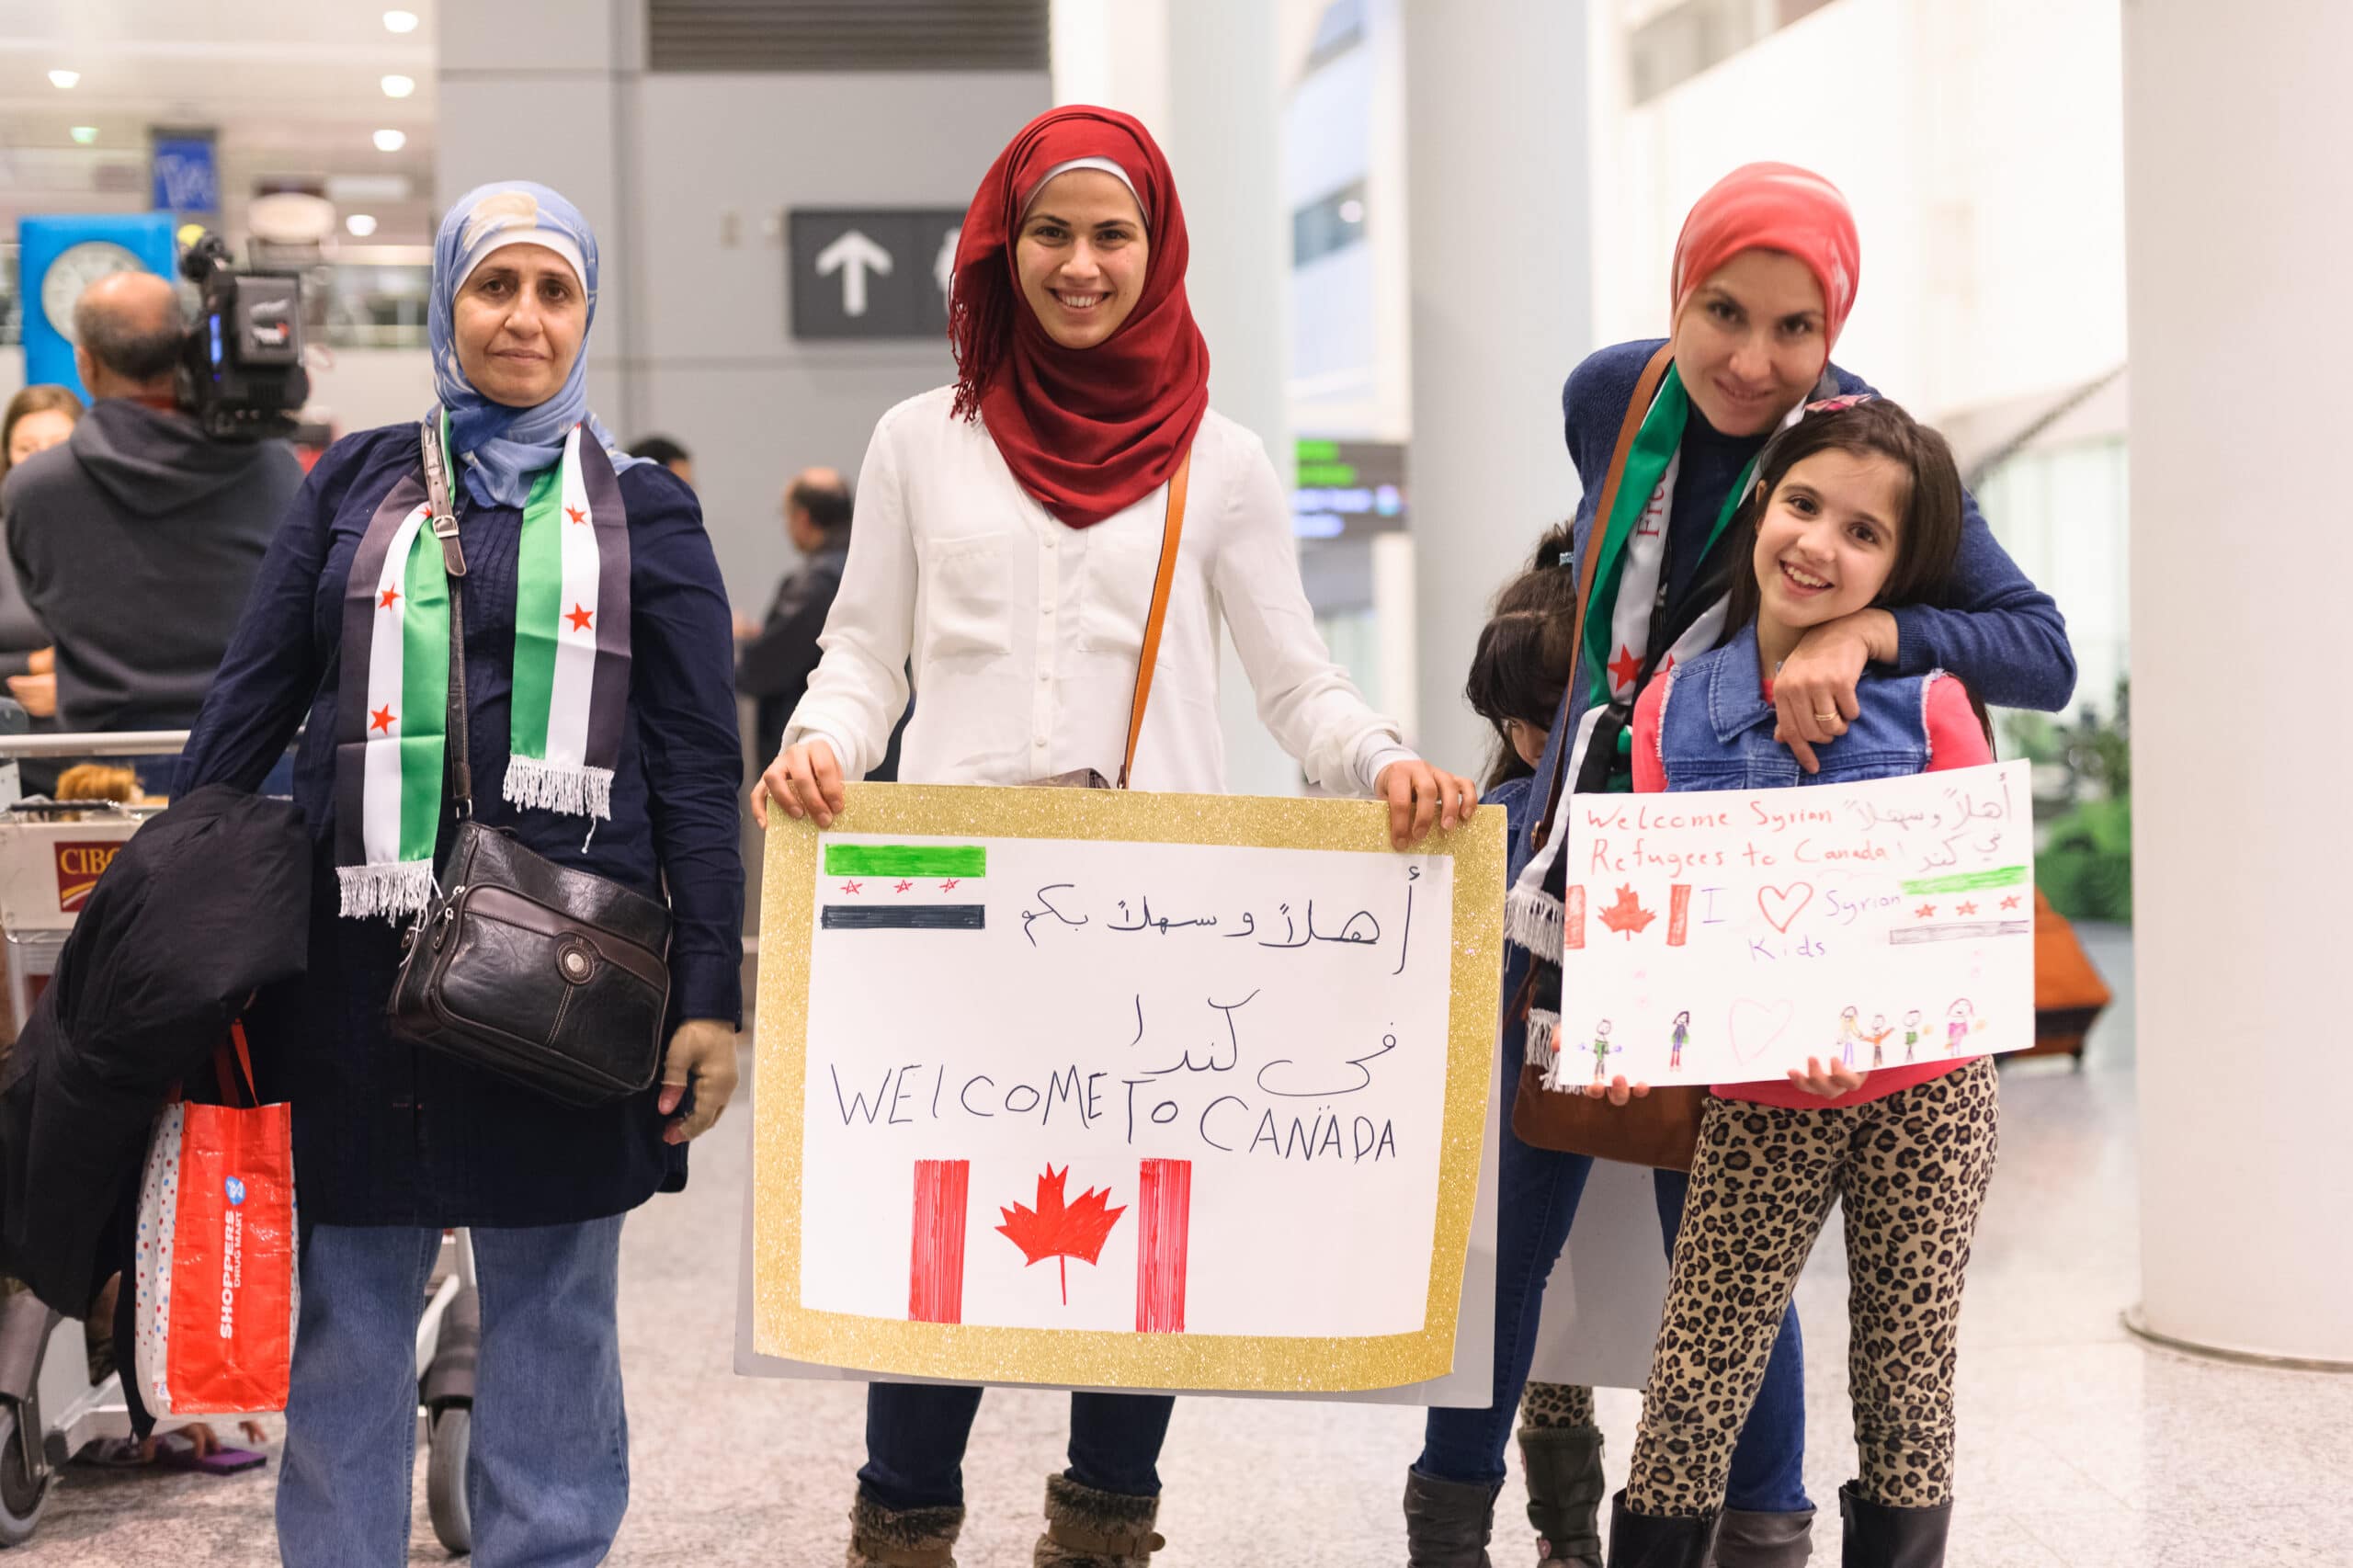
(556, 979)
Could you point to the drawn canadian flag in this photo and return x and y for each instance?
(1057, 1229)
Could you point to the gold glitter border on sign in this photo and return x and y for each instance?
(1092, 1358)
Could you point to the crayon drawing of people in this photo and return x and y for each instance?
(1602, 1052)
(1850, 1035)
(1682, 1038)
(1911, 1033)
(1959, 1020)
(1878, 1036)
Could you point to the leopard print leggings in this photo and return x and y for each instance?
(1556, 1404)
(1911, 1170)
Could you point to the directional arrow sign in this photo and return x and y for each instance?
(853, 255)
(870, 272)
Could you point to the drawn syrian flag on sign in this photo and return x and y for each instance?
(1057, 1228)
(903, 887)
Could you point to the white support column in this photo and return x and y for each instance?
(1501, 284)
(2242, 747)
(1202, 77)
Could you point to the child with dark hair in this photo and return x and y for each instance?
(1855, 507)
(1522, 663)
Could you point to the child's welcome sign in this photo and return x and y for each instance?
(1120, 1089)
(1727, 936)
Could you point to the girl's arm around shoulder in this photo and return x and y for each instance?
(273, 666)
(682, 668)
(1955, 737)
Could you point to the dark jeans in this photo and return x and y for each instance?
(916, 1435)
(1538, 1191)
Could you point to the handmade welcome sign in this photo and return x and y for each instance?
(1716, 937)
(1116, 1089)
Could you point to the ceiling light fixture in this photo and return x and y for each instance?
(360, 225)
(400, 21)
(83, 134)
(399, 87)
(391, 141)
(64, 79)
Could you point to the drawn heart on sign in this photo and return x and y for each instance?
(1782, 905)
(1755, 1025)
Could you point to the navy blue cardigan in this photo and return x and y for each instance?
(386, 1134)
(2004, 637)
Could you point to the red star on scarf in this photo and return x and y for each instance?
(904, 886)
(1667, 665)
(575, 514)
(381, 719)
(853, 887)
(2011, 901)
(1965, 909)
(579, 617)
(1925, 912)
(1624, 667)
(386, 602)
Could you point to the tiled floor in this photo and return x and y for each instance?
(2081, 1446)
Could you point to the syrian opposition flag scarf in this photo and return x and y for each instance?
(571, 674)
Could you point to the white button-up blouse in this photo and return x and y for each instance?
(1024, 633)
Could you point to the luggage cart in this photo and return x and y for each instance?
(50, 855)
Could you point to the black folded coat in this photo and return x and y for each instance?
(202, 907)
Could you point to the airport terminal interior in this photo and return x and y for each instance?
(2027, 229)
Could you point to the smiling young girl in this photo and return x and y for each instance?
(1855, 507)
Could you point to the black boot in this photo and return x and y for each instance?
(1882, 1537)
(1764, 1541)
(1448, 1523)
(1651, 1540)
(1566, 1487)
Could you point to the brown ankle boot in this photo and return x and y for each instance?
(1086, 1529)
(891, 1538)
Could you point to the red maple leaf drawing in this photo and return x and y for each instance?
(1054, 1231)
(1627, 915)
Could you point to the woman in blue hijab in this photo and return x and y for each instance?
(600, 709)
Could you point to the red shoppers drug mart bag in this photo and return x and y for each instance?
(216, 1285)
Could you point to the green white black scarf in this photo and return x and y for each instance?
(571, 675)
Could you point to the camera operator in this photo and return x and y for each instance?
(137, 540)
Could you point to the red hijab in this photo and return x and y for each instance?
(1088, 431)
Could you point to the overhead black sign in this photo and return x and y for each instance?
(871, 272)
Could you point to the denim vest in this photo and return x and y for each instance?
(1715, 727)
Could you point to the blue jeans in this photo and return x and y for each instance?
(1538, 1191)
(916, 1435)
(548, 1477)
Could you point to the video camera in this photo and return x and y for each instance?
(241, 370)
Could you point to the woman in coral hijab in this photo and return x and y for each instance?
(1007, 534)
(1764, 276)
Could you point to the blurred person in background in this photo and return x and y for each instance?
(668, 453)
(778, 657)
(137, 538)
(39, 417)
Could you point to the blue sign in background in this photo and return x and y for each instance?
(188, 179)
(49, 354)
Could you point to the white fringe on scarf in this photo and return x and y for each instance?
(1543, 1036)
(392, 890)
(555, 787)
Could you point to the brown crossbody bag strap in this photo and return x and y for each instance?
(1172, 528)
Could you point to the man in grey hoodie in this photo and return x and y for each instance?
(137, 540)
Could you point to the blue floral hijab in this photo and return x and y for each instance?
(499, 448)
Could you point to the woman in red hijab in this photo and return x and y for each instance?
(1007, 534)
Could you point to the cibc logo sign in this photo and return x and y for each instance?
(79, 866)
